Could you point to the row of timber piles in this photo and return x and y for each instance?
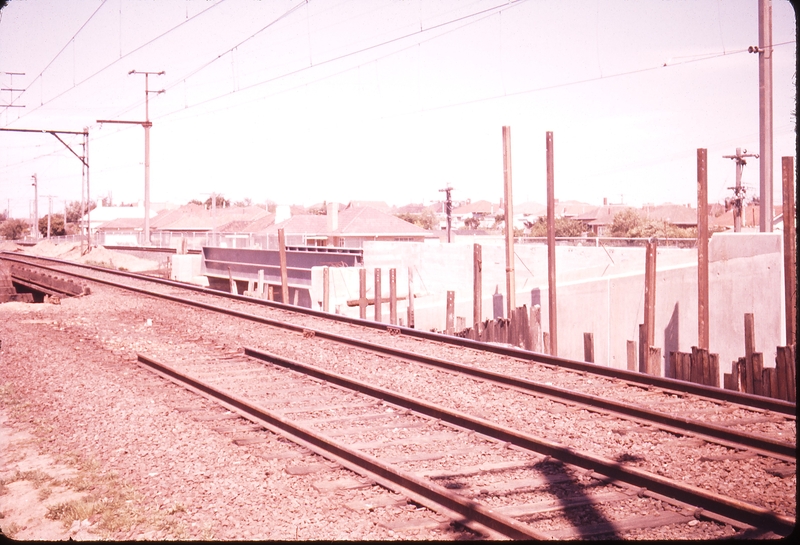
(748, 374)
(523, 329)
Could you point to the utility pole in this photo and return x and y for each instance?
(49, 212)
(764, 50)
(739, 192)
(146, 124)
(511, 290)
(11, 89)
(84, 159)
(35, 185)
(448, 208)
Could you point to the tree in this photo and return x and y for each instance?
(196, 201)
(472, 222)
(4, 215)
(630, 224)
(13, 229)
(220, 201)
(247, 201)
(425, 219)
(74, 213)
(564, 227)
(57, 228)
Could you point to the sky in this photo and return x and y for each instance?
(300, 102)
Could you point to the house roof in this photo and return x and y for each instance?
(572, 208)
(602, 215)
(352, 222)
(477, 207)
(377, 205)
(675, 214)
(530, 208)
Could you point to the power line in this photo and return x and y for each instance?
(122, 57)
(62, 49)
(486, 12)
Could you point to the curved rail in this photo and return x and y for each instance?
(714, 504)
(776, 405)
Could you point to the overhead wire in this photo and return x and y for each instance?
(129, 53)
(486, 12)
(71, 40)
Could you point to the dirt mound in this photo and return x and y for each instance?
(102, 257)
(97, 255)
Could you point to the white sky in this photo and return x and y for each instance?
(388, 99)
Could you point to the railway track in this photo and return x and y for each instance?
(763, 442)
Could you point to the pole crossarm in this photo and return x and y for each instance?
(142, 123)
(56, 133)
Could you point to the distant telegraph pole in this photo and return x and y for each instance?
(764, 50)
(35, 185)
(738, 191)
(12, 90)
(448, 207)
(146, 124)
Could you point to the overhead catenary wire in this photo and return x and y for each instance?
(106, 67)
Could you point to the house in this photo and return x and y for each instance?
(599, 220)
(348, 228)
(478, 214)
(679, 215)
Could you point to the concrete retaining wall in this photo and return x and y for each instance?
(600, 290)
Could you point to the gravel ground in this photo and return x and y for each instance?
(144, 467)
(69, 378)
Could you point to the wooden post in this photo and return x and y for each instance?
(786, 373)
(545, 342)
(232, 283)
(757, 366)
(789, 251)
(326, 291)
(735, 376)
(588, 347)
(631, 355)
(551, 245)
(524, 328)
(451, 296)
(654, 361)
(250, 288)
(642, 349)
(477, 292)
(271, 292)
(650, 293)
(749, 350)
(768, 381)
(410, 309)
(377, 290)
(741, 365)
(296, 297)
(696, 364)
(362, 293)
(702, 249)
(393, 296)
(536, 328)
(284, 275)
(713, 366)
(509, 214)
(260, 289)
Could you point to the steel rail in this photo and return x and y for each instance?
(720, 434)
(436, 496)
(715, 503)
(752, 400)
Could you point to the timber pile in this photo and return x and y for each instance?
(520, 330)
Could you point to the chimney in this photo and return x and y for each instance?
(282, 213)
(333, 216)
